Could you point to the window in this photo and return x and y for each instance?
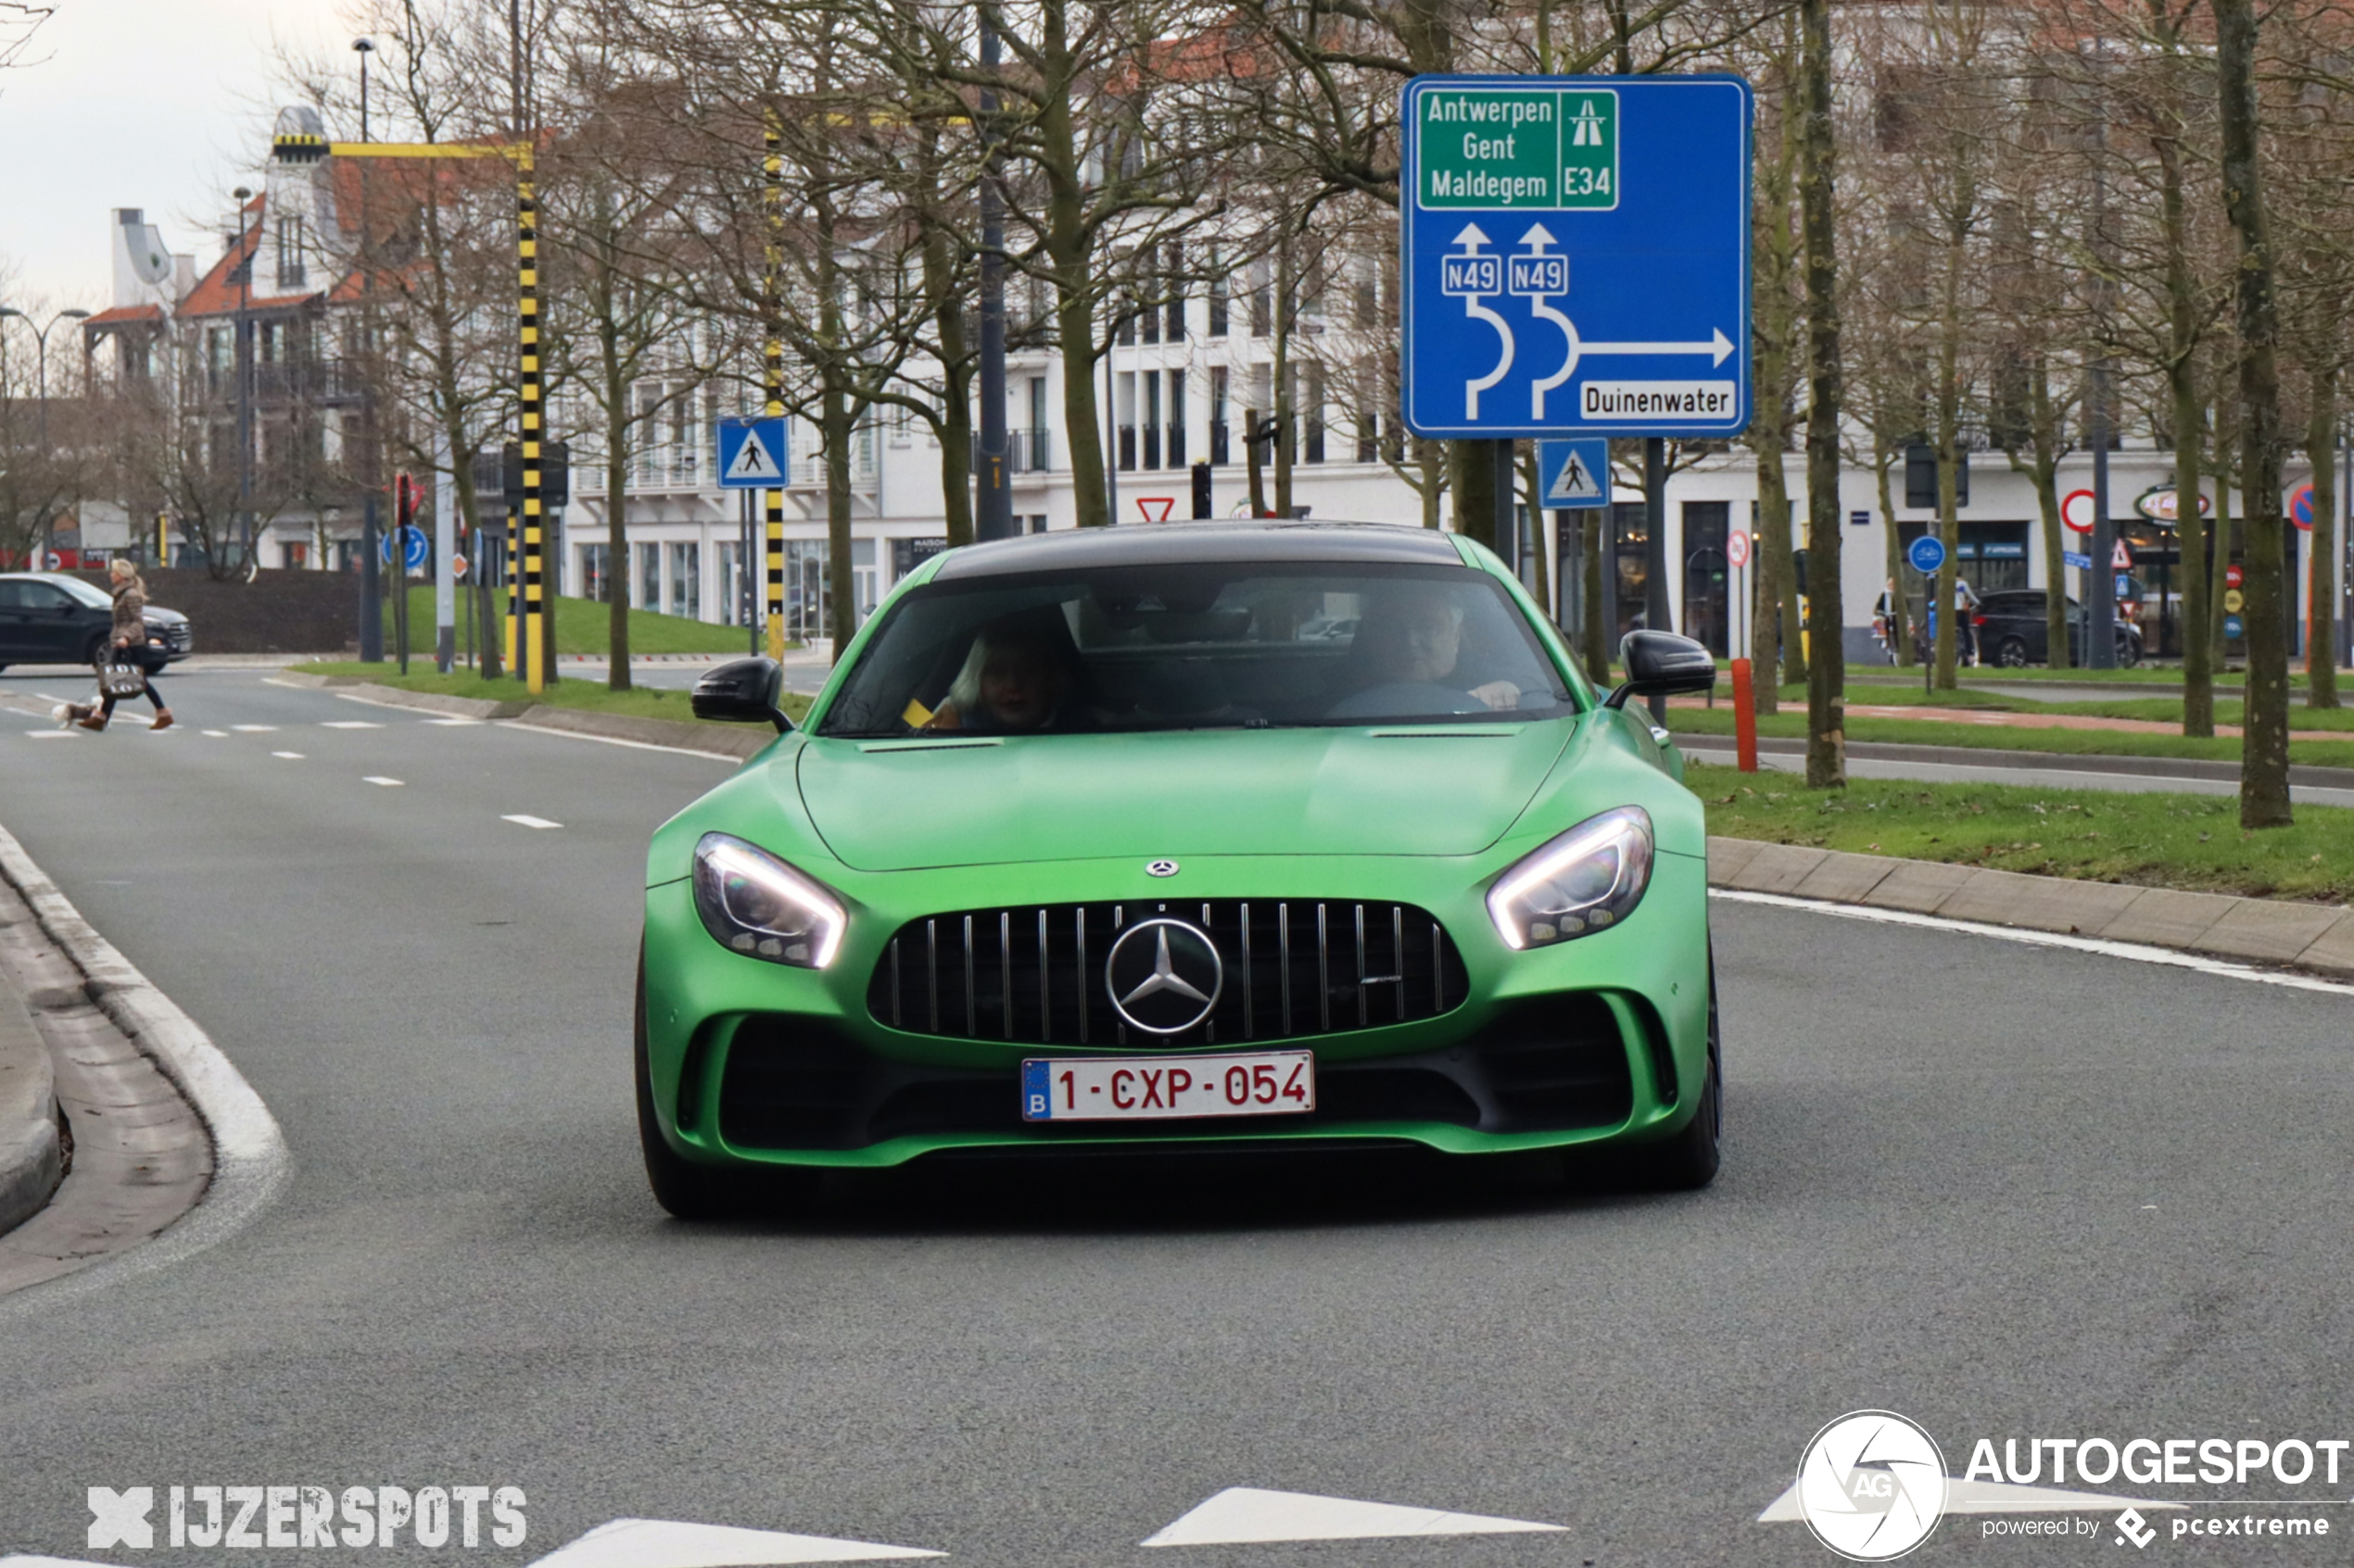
(736, 600)
(1219, 437)
(1151, 421)
(1175, 447)
(1363, 298)
(290, 268)
(1313, 406)
(686, 581)
(1262, 300)
(1368, 435)
(648, 583)
(1220, 321)
(1174, 279)
(596, 580)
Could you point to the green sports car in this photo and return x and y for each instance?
(1193, 835)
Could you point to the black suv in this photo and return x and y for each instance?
(50, 618)
(2012, 631)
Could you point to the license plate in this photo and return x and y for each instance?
(1161, 1088)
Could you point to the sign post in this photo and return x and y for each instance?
(1927, 554)
(752, 456)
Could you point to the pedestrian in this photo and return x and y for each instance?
(1966, 606)
(1885, 615)
(120, 659)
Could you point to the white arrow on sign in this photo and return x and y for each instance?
(1472, 239)
(1539, 240)
(1718, 346)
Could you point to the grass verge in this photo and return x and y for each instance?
(2165, 840)
(593, 695)
(1998, 738)
(581, 627)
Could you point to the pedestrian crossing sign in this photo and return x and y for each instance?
(751, 454)
(1574, 474)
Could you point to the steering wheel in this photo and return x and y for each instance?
(1406, 700)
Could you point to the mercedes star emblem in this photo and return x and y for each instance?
(1160, 868)
(1164, 976)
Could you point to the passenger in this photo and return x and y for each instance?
(1412, 635)
(1019, 679)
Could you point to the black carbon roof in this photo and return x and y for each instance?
(1156, 544)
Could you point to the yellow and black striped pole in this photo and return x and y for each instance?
(527, 384)
(773, 538)
(514, 589)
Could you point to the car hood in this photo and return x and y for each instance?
(162, 616)
(1437, 789)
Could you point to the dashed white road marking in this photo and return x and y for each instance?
(453, 723)
(1989, 1497)
(48, 734)
(1248, 1513)
(661, 1543)
(292, 757)
(531, 821)
(253, 729)
(378, 778)
(350, 724)
(216, 734)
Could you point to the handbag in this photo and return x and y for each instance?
(122, 680)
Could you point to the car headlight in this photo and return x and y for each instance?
(754, 903)
(1586, 880)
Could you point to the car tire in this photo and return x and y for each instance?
(701, 1191)
(1688, 1161)
(2129, 652)
(2011, 653)
(95, 650)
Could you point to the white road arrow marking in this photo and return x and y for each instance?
(1983, 1497)
(661, 1543)
(1472, 239)
(1539, 240)
(1717, 348)
(1247, 1513)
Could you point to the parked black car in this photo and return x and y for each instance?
(50, 618)
(2012, 631)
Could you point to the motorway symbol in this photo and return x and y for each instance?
(1574, 474)
(2076, 509)
(1599, 233)
(752, 453)
(661, 1543)
(1246, 1514)
(1927, 554)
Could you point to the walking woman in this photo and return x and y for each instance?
(124, 645)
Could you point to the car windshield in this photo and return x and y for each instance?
(89, 593)
(1199, 645)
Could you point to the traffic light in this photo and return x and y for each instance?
(407, 497)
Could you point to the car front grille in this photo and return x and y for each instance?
(1293, 969)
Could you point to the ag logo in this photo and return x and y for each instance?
(1164, 976)
(1872, 1485)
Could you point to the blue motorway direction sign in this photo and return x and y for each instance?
(1927, 553)
(1575, 254)
(752, 453)
(1574, 474)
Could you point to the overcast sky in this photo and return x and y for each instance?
(162, 105)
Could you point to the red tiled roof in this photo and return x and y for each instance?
(122, 314)
(217, 293)
(396, 185)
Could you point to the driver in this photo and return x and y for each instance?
(1017, 680)
(1412, 635)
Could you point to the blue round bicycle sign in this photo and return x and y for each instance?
(1927, 554)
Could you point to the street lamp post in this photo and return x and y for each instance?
(242, 367)
(41, 372)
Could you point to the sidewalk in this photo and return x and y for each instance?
(2308, 936)
(30, 1158)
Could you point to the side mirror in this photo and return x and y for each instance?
(1662, 664)
(742, 691)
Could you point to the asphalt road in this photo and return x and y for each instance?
(2006, 1189)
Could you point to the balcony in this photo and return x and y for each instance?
(1027, 451)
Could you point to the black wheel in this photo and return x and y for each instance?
(95, 650)
(1688, 1161)
(702, 1192)
(2129, 652)
(2011, 653)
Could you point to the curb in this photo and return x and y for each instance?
(736, 742)
(431, 702)
(2308, 936)
(31, 1162)
(250, 1159)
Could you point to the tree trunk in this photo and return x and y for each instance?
(2045, 433)
(2264, 801)
(1531, 487)
(836, 428)
(2320, 634)
(2219, 574)
(1827, 660)
(1949, 422)
(1475, 486)
(1766, 645)
(1599, 605)
(956, 379)
(1069, 246)
(1280, 372)
(1253, 464)
(617, 427)
(2190, 426)
(1900, 617)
